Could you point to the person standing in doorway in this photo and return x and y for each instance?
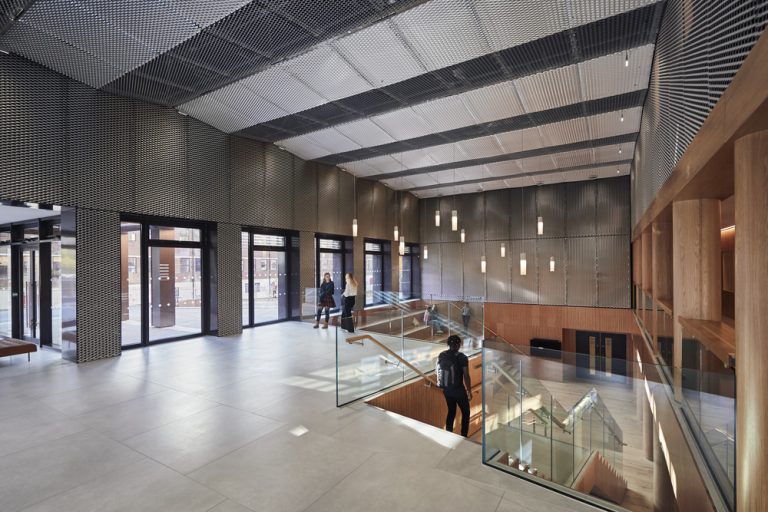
(325, 301)
(453, 378)
(350, 292)
(466, 313)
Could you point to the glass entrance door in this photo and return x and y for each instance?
(266, 287)
(30, 298)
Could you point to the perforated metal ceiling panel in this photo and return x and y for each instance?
(432, 46)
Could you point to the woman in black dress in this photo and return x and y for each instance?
(325, 300)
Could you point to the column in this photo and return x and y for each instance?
(751, 191)
(648, 426)
(696, 259)
(661, 266)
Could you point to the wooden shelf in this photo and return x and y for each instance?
(718, 337)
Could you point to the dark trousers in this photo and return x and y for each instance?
(463, 403)
(320, 312)
(349, 303)
(465, 319)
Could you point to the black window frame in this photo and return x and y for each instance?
(386, 269)
(206, 246)
(346, 252)
(288, 248)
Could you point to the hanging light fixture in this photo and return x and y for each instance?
(503, 250)
(619, 149)
(622, 116)
(463, 236)
(426, 252)
(454, 212)
(482, 264)
(354, 198)
(396, 236)
(437, 218)
(551, 263)
(523, 265)
(540, 226)
(402, 246)
(626, 60)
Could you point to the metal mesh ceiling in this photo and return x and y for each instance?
(399, 90)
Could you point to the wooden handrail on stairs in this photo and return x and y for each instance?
(358, 340)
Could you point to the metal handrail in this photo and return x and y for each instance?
(358, 340)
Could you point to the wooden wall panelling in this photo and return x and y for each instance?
(696, 257)
(427, 404)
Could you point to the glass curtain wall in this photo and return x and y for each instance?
(334, 256)
(163, 287)
(377, 270)
(5, 283)
(266, 290)
(410, 273)
(30, 280)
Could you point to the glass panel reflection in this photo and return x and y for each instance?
(5, 290)
(130, 279)
(175, 282)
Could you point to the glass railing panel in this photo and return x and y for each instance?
(574, 420)
(363, 369)
(708, 399)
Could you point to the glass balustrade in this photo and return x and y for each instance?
(395, 342)
(708, 400)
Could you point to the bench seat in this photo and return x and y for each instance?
(12, 347)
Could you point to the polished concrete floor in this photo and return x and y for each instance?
(226, 425)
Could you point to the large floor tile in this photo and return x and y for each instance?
(231, 506)
(100, 394)
(385, 484)
(133, 417)
(196, 440)
(314, 410)
(35, 474)
(282, 471)
(412, 442)
(36, 427)
(145, 486)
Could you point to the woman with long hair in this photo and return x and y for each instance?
(325, 300)
(350, 292)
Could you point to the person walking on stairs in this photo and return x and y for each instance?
(453, 378)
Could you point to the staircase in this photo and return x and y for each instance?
(599, 478)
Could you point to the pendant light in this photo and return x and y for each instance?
(437, 218)
(454, 212)
(626, 59)
(426, 252)
(551, 263)
(463, 236)
(402, 246)
(396, 236)
(482, 264)
(540, 225)
(523, 265)
(503, 250)
(622, 116)
(354, 198)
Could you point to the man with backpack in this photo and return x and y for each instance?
(453, 378)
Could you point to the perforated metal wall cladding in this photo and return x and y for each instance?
(98, 285)
(693, 66)
(586, 231)
(230, 298)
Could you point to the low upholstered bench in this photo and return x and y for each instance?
(12, 347)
